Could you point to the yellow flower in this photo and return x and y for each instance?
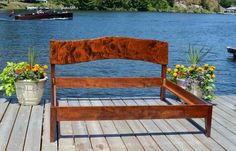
(211, 69)
(213, 76)
(168, 70)
(44, 74)
(176, 70)
(36, 66)
(182, 66)
(177, 66)
(41, 70)
(200, 69)
(175, 74)
(35, 69)
(206, 65)
(45, 67)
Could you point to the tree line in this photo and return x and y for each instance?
(139, 5)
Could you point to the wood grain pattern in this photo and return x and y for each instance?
(66, 82)
(130, 112)
(69, 52)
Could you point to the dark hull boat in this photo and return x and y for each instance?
(233, 51)
(52, 15)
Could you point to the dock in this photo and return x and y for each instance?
(26, 128)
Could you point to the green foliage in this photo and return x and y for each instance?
(138, 5)
(7, 78)
(205, 4)
(31, 57)
(225, 3)
(195, 54)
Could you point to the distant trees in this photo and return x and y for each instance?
(139, 5)
(225, 3)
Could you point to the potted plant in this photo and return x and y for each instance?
(195, 78)
(199, 80)
(26, 79)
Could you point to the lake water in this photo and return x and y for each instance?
(179, 30)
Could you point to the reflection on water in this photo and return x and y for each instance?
(212, 30)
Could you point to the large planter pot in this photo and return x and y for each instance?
(195, 89)
(30, 92)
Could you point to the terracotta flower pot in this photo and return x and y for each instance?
(30, 92)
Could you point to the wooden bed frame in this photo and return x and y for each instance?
(70, 52)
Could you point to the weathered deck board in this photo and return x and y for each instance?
(108, 128)
(209, 143)
(7, 124)
(65, 129)
(27, 128)
(219, 133)
(82, 141)
(94, 128)
(147, 142)
(19, 130)
(33, 138)
(131, 142)
(46, 145)
(3, 106)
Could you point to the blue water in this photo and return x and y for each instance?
(211, 30)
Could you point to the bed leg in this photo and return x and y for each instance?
(53, 124)
(163, 94)
(208, 121)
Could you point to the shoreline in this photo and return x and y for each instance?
(24, 5)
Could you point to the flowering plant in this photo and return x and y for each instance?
(20, 71)
(202, 75)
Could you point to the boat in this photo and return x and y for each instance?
(233, 51)
(45, 15)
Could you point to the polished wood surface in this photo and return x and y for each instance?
(130, 112)
(67, 52)
(124, 82)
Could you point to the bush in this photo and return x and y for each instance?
(225, 3)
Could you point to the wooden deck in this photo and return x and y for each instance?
(27, 128)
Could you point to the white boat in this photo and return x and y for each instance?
(31, 8)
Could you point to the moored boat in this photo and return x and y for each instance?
(45, 15)
(233, 51)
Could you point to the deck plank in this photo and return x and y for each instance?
(194, 143)
(33, 138)
(218, 134)
(7, 123)
(94, 128)
(226, 101)
(19, 130)
(173, 136)
(115, 143)
(66, 139)
(147, 141)
(208, 142)
(131, 143)
(46, 144)
(82, 141)
(22, 128)
(3, 106)
(130, 140)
